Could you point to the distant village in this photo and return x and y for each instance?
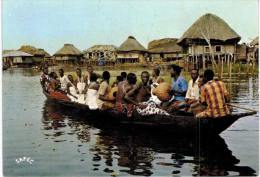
(210, 37)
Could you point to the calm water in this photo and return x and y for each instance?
(63, 143)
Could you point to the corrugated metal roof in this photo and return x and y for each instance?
(17, 54)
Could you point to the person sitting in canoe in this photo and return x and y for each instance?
(90, 70)
(123, 105)
(118, 79)
(155, 81)
(123, 75)
(44, 79)
(54, 83)
(140, 97)
(72, 91)
(141, 92)
(192, 94)
(103, 100)
(215, 96)
(178, 89)
(63, 80)
(91, 97)
(81, 86)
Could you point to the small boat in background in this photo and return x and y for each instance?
(5, 66)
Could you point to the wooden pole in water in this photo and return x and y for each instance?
(219, 67)
(203, 62)
(227, 57)
(230, 67)
(239, 69)
(222, 66)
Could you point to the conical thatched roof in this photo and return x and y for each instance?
(68, 50)
(255, 41)
(211, 26)
(131, 44)
(101, 47)
(166, 45)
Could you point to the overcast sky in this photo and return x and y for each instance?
(48, 24)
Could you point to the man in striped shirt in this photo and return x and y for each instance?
(215, 95)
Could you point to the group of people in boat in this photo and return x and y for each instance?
(203, 96)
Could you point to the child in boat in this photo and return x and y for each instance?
(72, 91)
(93, 87)
(103, 100)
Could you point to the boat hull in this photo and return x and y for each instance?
(178, 124)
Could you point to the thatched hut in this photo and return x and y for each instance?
(39, 55)
(165, 50)
(100, 54)
(131, 51)
(253, 50)
(68, 54)
(210, 36)
(17, 58)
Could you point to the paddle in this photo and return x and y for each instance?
(241, 107)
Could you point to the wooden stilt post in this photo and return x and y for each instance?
(219, 67)
(230, 67)
(239, 69)
(222, 65)
(203, 62)
(228, 63)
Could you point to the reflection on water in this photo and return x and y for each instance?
(140, 152)
(63, 142)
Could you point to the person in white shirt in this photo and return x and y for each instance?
(193, 92)
(91, 97)
(63, 80)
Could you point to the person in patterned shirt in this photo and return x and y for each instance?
(215, 96)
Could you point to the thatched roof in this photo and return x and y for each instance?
(42, 52)
(28, 49)
(255, 41)
(13, 53)
(33, 51)
(166, 45)
(68, 50)
(211, 26)
(101, 48)
(131, 44)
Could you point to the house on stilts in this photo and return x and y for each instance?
(164, 50)
(210, 37)
(100, 55)
(68, 55)
(131, 51)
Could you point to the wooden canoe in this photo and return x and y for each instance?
(177, 123)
